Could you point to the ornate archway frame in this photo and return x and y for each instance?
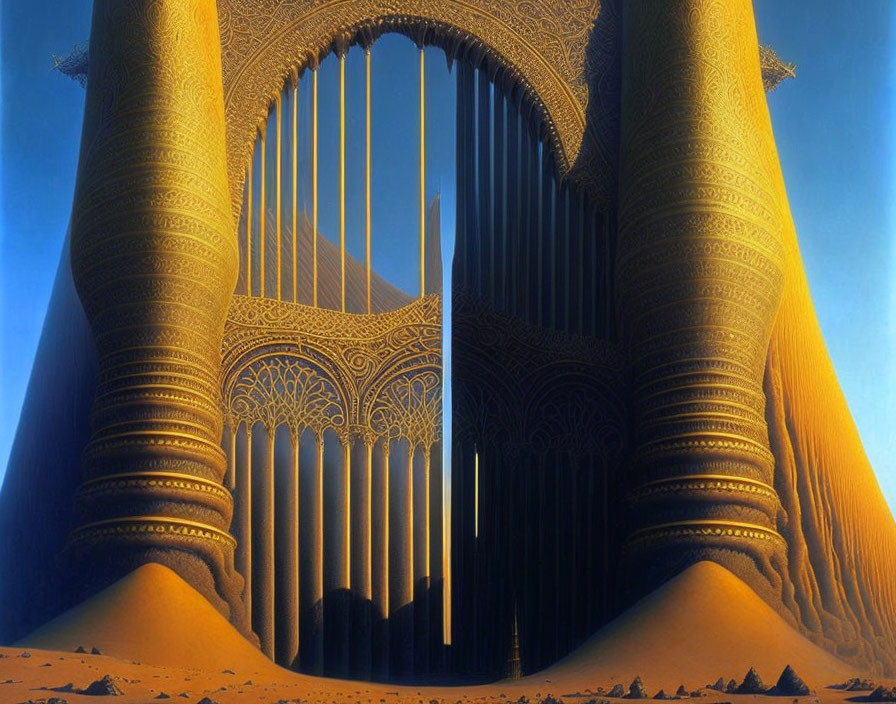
(265, 42)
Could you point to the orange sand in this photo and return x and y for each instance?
(702, 625)
(154, 617)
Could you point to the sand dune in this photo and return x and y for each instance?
(703, 624)
(152, 616)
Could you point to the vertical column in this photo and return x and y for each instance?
(409, 571)
(249, 202)
(230, 437)
(290, 600)
(367, 172)
(262, 212)
(498, 273)
(533, 173)
(700, 270)
(547, 285)
(342, 179)
(154, 254)
(485, 233)
(264, 590)
(314, 233)
(294, 146)
(422, 203)
(361, 636)
(244, 522)
(381, 573)
(278, 180)
(422, 571)
(524, 202)
(513, 240)
(316, 544)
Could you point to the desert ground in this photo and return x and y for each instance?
(159, 639)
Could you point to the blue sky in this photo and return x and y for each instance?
(834, 125)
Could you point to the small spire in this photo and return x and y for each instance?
(514, 670)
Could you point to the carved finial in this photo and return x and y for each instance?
(74, 64)
(774, 70)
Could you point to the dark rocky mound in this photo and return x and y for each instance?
(882, 694)
(752, 684)
(790, 684)
(719, 686)
(618, 691)
(681, 691)
(662, 695)
(855, 684)
(104, 687)
(636, 689)
(731, 687)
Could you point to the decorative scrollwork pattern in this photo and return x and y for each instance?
(371, 376)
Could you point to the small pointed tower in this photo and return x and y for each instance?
(514, 668)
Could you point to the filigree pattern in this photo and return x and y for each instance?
(517, 385)
(286, 390)
(371, 376)
(409, 407)
(264, 43)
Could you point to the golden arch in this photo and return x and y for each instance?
(262, 43)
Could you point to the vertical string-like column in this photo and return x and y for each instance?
(409, 571)
(291, 602)
(422, 173)
(447, 574)
(498, 272)
(562, 254)
(262, 213)
(230, 481)
(485, 233)
(546, 286)
(342, 180)
(579, 263)
(382, 574)
(532, 238)
(346, 514)
(249, 227)
(317, 556)
(512, 239)
(524, 204)
(367, 172)
(278, 188)
(367, 538)
(362, 634)
(314, 234)
(598, 254)
(294, 147)
(422, 567)
(265, 587)
(244, 522)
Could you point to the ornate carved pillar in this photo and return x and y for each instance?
(700, 276)
(154, 255)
